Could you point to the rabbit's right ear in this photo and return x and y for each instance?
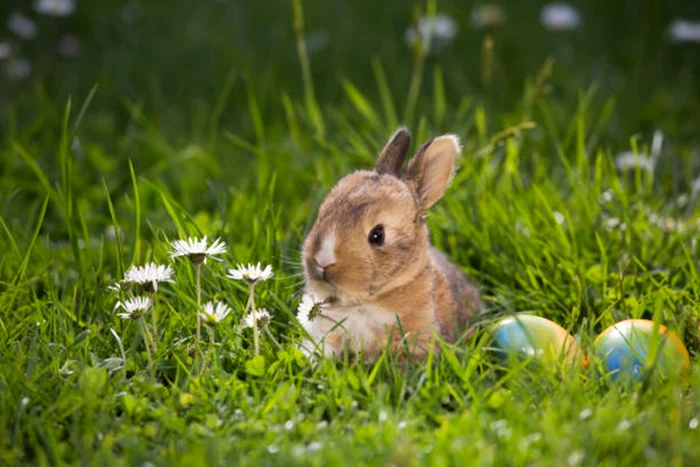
(392, 156)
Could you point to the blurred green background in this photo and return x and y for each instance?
(174, 77)
(174, 57)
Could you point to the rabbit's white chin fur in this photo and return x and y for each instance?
(362, 328)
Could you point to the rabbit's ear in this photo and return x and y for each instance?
(431, 169)
(392, 156)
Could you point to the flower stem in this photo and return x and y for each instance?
(154, 320)
(256, 338)
(146, 339)
(272, 338)
(198, 281)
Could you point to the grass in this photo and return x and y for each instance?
(538, 214)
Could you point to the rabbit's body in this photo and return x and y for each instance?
(369, 257)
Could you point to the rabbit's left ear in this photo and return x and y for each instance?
(392, 156)
(431, 169)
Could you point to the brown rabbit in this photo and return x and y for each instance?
(369, 258)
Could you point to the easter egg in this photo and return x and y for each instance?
(633, 347)
(527, 336)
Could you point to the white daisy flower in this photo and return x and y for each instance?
(149, 274)
(54, 7)
(134, 308)
(433, 31)
(488, 15)
(197, 250)
(559, 217)
(262, 316)
(606, 196)
(560, 17)
(250, 273)
(19, 69)
(214, 313)
(682, 30)
(613, 223)
(628, 160)
(309, 309)
(5, 50)
(21, 25)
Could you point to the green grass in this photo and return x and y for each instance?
(245, 147)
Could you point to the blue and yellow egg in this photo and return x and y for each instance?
(631, 348)
(528, 336)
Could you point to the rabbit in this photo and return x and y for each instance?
(369, 260)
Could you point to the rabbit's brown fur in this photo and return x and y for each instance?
(371, 288)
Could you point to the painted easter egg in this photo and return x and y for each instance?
(633, 347)
(528, 336)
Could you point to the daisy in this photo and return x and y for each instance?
(250, 273)
(682, 30)
(19, 69)
(54, 7)
(560, 17)
(197, 250)
(433, 31)
(21, 25)
(149, 275)
(309, 309)
(214, 313)
(134, 308)
(629, 160)
(489, 15)
(262, 316)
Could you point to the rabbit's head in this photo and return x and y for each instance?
(370, 235)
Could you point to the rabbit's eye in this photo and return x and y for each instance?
(376, 236)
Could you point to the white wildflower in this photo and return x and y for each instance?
(314, 446)
(150, 274)
(613, 223)
(5, 50)
(624, 425)
(630, 160)
(134, 308)
(683, 200)
(576, 457)
(54, 7)
(682, 30)
(21, 25)
(19, 69)
(197, 250)
(488, 15)
(585, 414)
(560, 17)
(433, 32)
(309, 309)
(262, 316)
(693, 424)
(559, 217)
(606, 196)
(250, 273)
(214, 313)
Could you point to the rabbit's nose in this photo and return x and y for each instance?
(325, 257)
(324, 261)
